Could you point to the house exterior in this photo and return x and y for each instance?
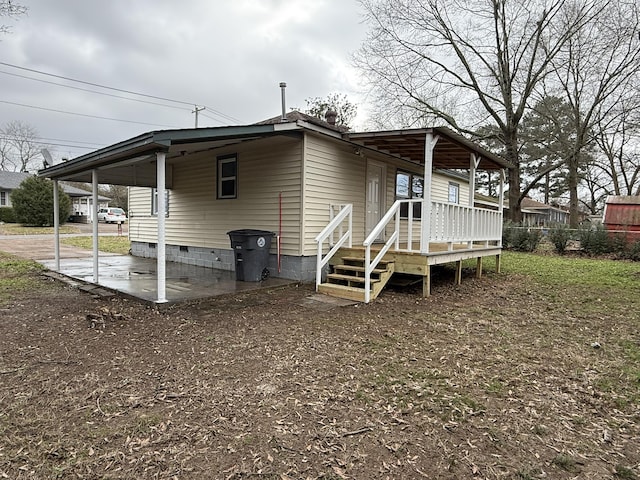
(538, 214)
(622, 214)
(293, 176)
(80, 199)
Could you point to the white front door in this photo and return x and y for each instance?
(375, 196)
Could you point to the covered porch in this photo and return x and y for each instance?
(443, 232)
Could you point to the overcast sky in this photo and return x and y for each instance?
(227, 55)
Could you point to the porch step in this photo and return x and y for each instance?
(347, 280)
(354, 268)
(342, 291)
(360, 261)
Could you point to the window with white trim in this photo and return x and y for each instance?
(228, 176)
(454, 192)
(3, 199)
(409, 186)
(154, 202)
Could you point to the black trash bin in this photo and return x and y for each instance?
(251, 250)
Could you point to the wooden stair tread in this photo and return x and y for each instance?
(349, 278)
(355, 268)
(342, 291)
(361, 259)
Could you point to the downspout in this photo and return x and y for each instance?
(94, 216)
(279, 230)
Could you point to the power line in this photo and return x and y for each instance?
(85, 115)
(62, 77)
(53, 142)
(93, 91)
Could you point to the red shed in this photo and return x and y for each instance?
(622, 213)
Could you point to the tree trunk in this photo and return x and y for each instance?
(573, 192)
(511, 149)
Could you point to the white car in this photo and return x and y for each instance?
(112, 215)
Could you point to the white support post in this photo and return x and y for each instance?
(162, 208)
(94, 215)
(474, 162)
(501, 191)
(503, 175)
(56, 226)
(429, 144)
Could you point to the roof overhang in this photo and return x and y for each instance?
(132, 162)
(452, 151)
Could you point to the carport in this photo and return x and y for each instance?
(146, 161)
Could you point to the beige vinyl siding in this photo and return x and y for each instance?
(334, 174)
(197, 218)
(440, 188)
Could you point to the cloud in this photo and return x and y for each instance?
(229, 56)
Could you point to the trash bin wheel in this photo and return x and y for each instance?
(265, 274)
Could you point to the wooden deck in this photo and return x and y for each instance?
(415, 263)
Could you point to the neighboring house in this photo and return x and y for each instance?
(304, 180)
(538, 214)
(80, 199)
(622, 214)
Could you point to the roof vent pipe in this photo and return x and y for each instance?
(283, 86)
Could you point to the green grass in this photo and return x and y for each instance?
(16, 275)
(19, 229)
(120, 245)
(554, 270)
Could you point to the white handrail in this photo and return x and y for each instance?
(369, 265)
(346, 212)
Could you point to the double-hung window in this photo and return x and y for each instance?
(228, 176)
(409, 186)
(454, 192)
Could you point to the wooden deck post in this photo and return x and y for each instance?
(498, 259)
(426, 282)
(459, 272)
(479, 268)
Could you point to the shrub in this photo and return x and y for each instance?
(560, 235)
(33, 202)
(521, 239)
(632, 252)
(595, 241)
(7, 215)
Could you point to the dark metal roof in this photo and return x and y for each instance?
(132, 162)
(451, 151)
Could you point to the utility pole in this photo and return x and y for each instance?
(196, 110)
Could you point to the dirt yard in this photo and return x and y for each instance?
(497, 378)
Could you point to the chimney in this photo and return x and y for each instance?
(283, 86)
(331, 116)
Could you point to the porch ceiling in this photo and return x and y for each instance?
(452, 151)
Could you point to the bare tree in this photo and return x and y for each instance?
(618, 139)
(10, 9)
(597, 71)
(467, 62)
(19, 150)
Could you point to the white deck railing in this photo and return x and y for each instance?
(449, 223)
(452, 223)
(345, 213)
